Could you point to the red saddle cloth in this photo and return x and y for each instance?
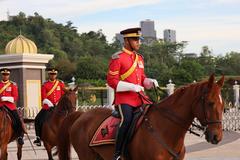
(106, 132)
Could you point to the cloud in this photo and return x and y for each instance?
(199, 22)
(75, 7)
(226, 1)
(221, 33)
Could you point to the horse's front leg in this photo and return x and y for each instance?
(19, 152)
(3, 153)
(49, 150)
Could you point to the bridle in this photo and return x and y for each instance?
(206, 121)
(167, 113)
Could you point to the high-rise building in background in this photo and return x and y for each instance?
(148, 31)
(169, 35)
(119, 37)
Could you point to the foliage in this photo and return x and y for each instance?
(85, 56)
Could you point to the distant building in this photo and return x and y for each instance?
(9, 17)
(190, 55)
(119, 37)
(148, 31)
(169, 35)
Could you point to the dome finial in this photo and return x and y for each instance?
(21, 45)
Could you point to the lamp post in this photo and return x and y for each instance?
(236, 94)
(170, 87)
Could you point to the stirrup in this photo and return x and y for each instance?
(37, 141)
(20, 140)
(117, 156)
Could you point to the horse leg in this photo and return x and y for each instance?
(19, 152)
(80, 144)
(49, 150)
(3, 153)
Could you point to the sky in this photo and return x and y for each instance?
(215, 23)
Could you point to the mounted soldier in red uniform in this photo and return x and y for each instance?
(8, 98)
(126, 76)
(51, 92)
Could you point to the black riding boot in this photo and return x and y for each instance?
(37, 141)
(38, 125)
(18, 127)
(126, 116)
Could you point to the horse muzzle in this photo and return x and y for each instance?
(212, 137)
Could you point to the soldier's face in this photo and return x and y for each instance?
(135, 43)
(5, 76)
(52, 76)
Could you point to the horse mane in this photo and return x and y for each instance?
(181, 91)
(64, 103)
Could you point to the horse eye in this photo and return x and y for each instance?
(211, 104)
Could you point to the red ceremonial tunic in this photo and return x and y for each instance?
(120, 64)
(10, 91)
(55, 96)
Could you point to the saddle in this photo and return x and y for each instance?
(107, 131)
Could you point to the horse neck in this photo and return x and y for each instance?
(179, 106)
(59, 113)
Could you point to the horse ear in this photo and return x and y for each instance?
(211, 80)
(221, 81)
(65, 89)
(75, 89)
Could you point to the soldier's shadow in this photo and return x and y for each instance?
(228, 137)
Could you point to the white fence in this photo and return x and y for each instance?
(231, 120)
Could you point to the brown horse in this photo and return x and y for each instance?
(161, 134)
(7, 135)
(50, 128)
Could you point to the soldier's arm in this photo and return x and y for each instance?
(43, 92)
(15, 92)
(63, 88)
(113, 76)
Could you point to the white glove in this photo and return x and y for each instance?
(126, 86)
(9, 99)
(47, 102)
(148, 83)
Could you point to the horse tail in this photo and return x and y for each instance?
(64, 148)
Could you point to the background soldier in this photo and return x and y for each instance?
(51, 92)
(8, 97)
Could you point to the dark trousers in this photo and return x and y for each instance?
(17, 124)
(126, 112)
(39, 120)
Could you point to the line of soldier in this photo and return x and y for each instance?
(51, 92)
(125, 75)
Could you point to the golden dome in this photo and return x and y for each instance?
(21, 45)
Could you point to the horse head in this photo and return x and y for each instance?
(208, 109)
(67, 103)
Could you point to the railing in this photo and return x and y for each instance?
(231, 120)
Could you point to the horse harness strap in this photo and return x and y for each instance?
(207, 121)
(173, 117)
(155, 135)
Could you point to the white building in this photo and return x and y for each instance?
(169, 35)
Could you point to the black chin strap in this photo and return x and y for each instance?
(130, 45)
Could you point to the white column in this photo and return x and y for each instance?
(110, 95)
(236, 94)
(170, 87)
